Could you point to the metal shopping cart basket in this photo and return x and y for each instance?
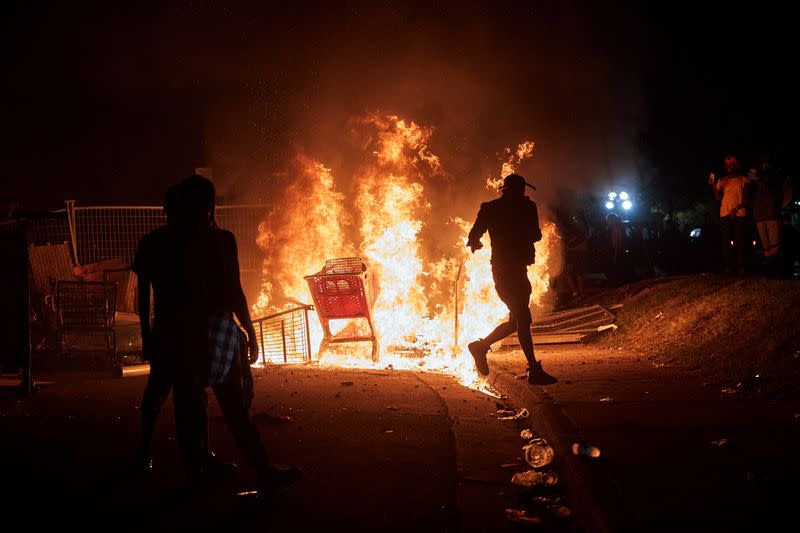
(342, 290)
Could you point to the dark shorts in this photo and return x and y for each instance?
(514, 289)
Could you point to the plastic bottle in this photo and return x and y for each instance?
(538, 453)
(589, 451)
(530, 478)
(526, 434)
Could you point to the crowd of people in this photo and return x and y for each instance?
(748, 231)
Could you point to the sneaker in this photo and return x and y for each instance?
(537, 375)
(277, 477)
(479, 350)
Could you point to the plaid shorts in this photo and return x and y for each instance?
(225, 340)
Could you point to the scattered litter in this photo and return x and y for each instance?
(346, 383)
(662, 365)
(607, 326)
(530, 478)
(608, 399)
(561, 511)
(521, 376)
(491, 391)
(660, 314)
(526, 434)
(392, 408)
(538, 453)
(522, 413)
(729, 391)
(247, 493)
(505, 412)
(719, 442)
(389, 431)
(582, 449)
(521, 516)
(510, 465)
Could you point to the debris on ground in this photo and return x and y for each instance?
(521, 516)
(522, 413)
(531, 478)
(608, 399)
(719, 442)
(583, 449)
(347, 383)
(526, 434)
(392, 408)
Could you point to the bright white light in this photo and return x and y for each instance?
(612, 195)
(623, 196)
(609, 205)
(626, 204)
(695, 232)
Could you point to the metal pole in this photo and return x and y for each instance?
(455, 291)
(308, 337)
(27, 378)
(263, 351)
(72, 231)
(283, 338)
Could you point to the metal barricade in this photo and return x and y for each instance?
(284, 337)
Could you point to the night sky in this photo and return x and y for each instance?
(109, 104)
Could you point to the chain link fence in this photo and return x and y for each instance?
(106, 232)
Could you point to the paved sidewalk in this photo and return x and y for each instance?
(676, 452)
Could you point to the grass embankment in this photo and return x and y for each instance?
(730, 329)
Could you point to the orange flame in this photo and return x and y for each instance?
(414, 329)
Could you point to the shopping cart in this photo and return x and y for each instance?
(342, 290)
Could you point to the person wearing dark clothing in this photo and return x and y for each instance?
(767, 203)
(225, 364)
(160, 378)
(194, 271)
(789, 251)
(513, 225)
(576, 251)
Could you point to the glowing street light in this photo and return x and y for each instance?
(626, 204)
(612, 196)
(624, 196)
(609, 205)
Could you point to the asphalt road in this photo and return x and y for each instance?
(379, 450)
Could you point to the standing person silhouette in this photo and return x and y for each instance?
(222, 358)
(160, 379)
(513, 225)
(154, 266)
(731, 192)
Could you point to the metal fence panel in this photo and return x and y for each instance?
(105, 232)
(284, 337)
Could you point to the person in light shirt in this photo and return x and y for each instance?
(730, 191)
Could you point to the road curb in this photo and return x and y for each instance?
(587, 482)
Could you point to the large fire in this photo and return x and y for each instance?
(431, 302)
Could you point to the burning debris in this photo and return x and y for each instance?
(431, 295)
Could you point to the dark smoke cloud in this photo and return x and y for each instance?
(119, 101)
